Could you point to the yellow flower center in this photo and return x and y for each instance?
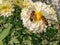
(18, 2)
(5, 7)
(21, 3)
(38, 16)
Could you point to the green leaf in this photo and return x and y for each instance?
(1, 43)
(50, 33)
(26, 41)
(53, 43)
(58, 17)
(5, 32)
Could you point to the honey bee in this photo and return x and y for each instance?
(44, 20)
(32, 16)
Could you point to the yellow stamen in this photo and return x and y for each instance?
(38, 15)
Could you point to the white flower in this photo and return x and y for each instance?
(37, 17)
(1, 1)
(6, 8)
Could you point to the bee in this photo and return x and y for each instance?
(44, 20)
(32, 16)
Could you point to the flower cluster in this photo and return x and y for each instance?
(6, 8)
(29, 22)
(36, 16)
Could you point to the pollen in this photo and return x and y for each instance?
(38, 16)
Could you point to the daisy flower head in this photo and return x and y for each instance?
(6, 8)
(37, 17)
(22, 3)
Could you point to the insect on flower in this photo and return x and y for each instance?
(32, 16)
(44, 20)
